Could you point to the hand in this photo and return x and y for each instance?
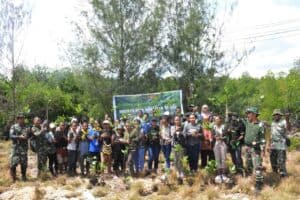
(268, 149)
(22, 137)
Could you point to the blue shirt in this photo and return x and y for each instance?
(95, 145)
(146, 126)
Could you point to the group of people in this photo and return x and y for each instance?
(123, 146)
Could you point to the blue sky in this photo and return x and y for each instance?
(50, 31)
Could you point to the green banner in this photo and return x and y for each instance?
(153, 103)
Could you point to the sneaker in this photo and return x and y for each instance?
(225, 179)
(218, 179)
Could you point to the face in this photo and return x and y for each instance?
(21, 120)
(277, 117)
(105, 126)
(251, 116)
(74, 126)
(120, 131)
(128, 126)
(218, 120)
(140, 113)
(153, 123)
(178, 110)
(205, 109)
(37, 121)
(62, 126)
(96, 124)
(136, 124)
(177, 121)
(85, 126)
(192, 119)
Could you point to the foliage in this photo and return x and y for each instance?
(211, 167)
(295, 144)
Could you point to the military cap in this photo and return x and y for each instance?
(252, 110)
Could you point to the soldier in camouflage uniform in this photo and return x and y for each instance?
(235, 132)
(19, 136)
(255, 145)
(279, 128)
(41, 142)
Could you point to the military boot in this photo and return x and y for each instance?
(13, 173)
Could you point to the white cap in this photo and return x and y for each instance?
(52, 125)
(106, 122)
(167, 113)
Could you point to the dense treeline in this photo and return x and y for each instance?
(58, 94)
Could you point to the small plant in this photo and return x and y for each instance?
(185, 165)
(211, 167)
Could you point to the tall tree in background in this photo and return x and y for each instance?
(191, 50)
(122, 34)
(13, 19)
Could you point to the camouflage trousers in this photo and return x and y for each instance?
(278, 161)
(42, 161)
(254, 163)
(18, 157)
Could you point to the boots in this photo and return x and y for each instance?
(23, 172)
(13, 173)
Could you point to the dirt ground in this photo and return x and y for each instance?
(153, 186)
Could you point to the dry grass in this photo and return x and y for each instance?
(100, 191)
(73, 194)
(61, 180)
(39, 193)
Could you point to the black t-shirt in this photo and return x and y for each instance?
(61, 139)
(153, 136)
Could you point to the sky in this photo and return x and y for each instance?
(270, 27)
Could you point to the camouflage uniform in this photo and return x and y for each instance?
(255, 144)
(41, 147)
(278, 146)
(19, 150)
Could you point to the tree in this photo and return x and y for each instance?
(122, 33)
(13, 18)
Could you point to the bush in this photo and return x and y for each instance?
(295, 144)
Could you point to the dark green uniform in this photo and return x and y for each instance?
(19, 150)
(255, 143)
(41, 143)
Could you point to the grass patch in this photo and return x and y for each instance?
(73, 194)
(38, 193)
(100, 191)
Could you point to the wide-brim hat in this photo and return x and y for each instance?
(277, 112)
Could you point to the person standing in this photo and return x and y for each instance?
(118, 148)
(179, 143)
(84, 145)
(166, 139)
(220, 149)
(235, 131)
(53, 164)
(72, 148)
(255, 145)
(207, 142)
(279, 129)
(19, 136)
(153, 144)
(106, 137)
(39, 136)
(132, 138)
(192, 133)
(95, 145)
(61, 146)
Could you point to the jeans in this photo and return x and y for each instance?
(132, 157)
(153, 152)
(140, 159)
(193, 156)
(72, 158)
(166, 149)
(53, 164)
(236, 156)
